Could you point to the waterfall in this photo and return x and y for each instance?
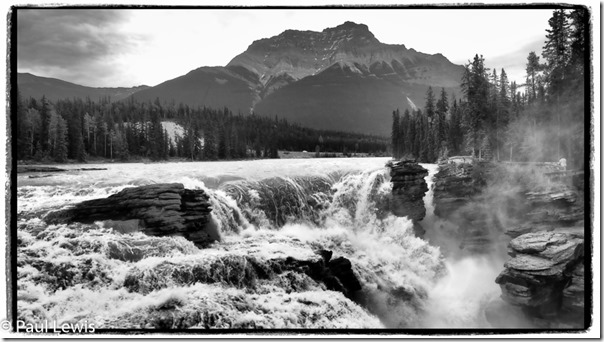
(79, 272)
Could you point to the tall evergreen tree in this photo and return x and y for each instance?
(557, 51)
(442, 108)
(533, 67)
(395, 135)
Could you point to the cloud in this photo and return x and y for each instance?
(81, 46)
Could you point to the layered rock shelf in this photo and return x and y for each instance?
(454, 186)
(156, 210)
(408, 190)
(560, 205)
(545, 277)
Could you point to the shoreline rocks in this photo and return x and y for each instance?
(156, 209)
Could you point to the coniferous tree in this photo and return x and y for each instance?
(45, 115)
(557, 52)
(533, 67)
(475, 86)
(60, 140)
(395, 135)
(455, 129)
(442, 108)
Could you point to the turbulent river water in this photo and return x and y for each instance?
(263, 211)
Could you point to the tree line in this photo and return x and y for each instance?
(495, 119)
(80, 129)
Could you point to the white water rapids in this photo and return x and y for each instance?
(265, 210)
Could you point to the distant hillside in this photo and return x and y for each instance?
(35, 86)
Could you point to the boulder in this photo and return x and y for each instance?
(336, 274)
(544, 277)
(408, 190)
(157, 209)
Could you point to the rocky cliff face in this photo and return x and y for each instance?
(459, 198)
(454, 186)
(156, 210)
(299, 54)
(545, 276)
(408, 190)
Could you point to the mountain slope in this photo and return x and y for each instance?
(54, 89)
(214, 87)
(344, 97)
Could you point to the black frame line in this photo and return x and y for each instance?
(11, 188)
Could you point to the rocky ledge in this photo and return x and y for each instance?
(408, 190)
(156, 210)
(545, 277)
(455, 183)
(560, 205)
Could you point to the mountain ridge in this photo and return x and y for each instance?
(36, 86)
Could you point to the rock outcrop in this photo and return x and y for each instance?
(42, 168)
(458, 198)
(408, 190)
(156, 209)
(455, 185)
(560, 205)
(545, 277)
(249, 271)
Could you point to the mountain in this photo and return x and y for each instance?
(341, 78)
(35, 86)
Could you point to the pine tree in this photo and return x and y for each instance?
(429, 108)
(533, 67)
(45, 114)
(210, 151)
(60, 141)
(557, 51)
(79, 149)
(475, 86)
(406, 129)
(395, 135)
(442, 108)
(455, 130)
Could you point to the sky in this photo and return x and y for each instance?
(130, 47)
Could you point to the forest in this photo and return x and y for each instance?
(81, 129)
(494, 119)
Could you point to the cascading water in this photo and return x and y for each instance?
(89, 272)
